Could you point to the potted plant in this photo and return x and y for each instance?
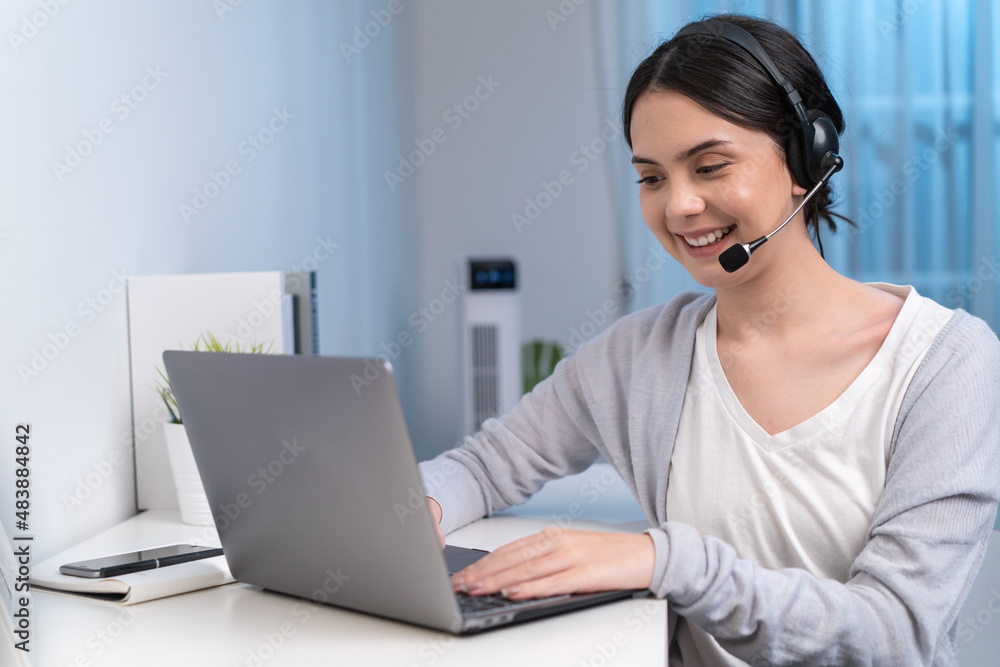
(538, 361)
(191, 497)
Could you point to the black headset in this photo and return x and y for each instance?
(813, 149)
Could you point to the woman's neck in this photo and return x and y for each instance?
(784, 297)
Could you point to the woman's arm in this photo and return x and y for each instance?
(925, 546)
(550, 433)
(583, 410)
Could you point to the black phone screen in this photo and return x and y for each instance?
(161, 556)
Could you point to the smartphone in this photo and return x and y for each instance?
(136, 561)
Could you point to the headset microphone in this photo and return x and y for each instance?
(736, 256)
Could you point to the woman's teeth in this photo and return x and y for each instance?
(710, 238)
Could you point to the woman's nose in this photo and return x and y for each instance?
(683, 200)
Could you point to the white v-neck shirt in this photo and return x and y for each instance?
(801, 498)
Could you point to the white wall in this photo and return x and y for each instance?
(529, 129)
(63, 239)
(63, 236)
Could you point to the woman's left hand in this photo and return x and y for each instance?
(558, 561)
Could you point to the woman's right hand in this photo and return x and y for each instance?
(436, 514)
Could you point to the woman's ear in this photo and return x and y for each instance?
(786, 158)
(797, 190)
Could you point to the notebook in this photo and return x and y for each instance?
(306, 462)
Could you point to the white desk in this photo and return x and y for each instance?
(241, 625)
(238, 625)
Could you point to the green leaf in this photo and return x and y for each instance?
(206, 342)
(538, 361)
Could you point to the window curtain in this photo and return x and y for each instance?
(920, 88)
(363, 90)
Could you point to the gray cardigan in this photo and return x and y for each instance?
(621, 394)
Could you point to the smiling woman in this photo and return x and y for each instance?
(700, 177)
(818, 456)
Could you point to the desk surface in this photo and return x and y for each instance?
(241, 625)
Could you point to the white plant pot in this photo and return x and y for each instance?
(190, 493)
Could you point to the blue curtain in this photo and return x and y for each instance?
(919, 84)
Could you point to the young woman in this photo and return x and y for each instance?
(820, 458)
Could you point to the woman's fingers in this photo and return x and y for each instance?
(510, 577)
(556, 584)
(520, 551)
(524, 550)
(560, 561)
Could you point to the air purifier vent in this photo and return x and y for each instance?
(485, 372)
(491, 334)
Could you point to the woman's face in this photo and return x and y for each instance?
(707, 184)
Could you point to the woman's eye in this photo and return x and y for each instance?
(649, 181)
(711, 168)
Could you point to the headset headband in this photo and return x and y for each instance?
(743, 39)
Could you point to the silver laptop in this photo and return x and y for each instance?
(311, 477)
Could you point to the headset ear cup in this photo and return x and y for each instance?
(826, 141)
(806, 162)
(799, 157)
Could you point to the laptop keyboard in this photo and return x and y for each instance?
(475, 605)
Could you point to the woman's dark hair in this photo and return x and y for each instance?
(730, 83)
